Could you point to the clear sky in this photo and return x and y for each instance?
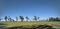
(30, 8)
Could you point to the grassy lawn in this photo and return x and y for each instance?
(26, 24)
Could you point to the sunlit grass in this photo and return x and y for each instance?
(26, 24)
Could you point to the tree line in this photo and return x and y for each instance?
(8, 18)
(54, 19)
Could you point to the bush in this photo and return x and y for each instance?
(2, 24)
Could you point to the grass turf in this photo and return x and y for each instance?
(30, 24)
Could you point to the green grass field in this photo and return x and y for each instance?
(30, 24)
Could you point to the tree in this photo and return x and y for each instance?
(35, 18)
(16, 18)
(27, 18)
(39, 18)
(9, 18)
(0, 19)
(51, 19)
(6, 18)
(12, 20)
(57, 19)
(22, 18)
(54, 19)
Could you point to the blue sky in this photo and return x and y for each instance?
(30, 8)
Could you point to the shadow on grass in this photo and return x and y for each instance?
(34, 27)
(2, 25)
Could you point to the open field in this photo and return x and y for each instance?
(30, 24)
